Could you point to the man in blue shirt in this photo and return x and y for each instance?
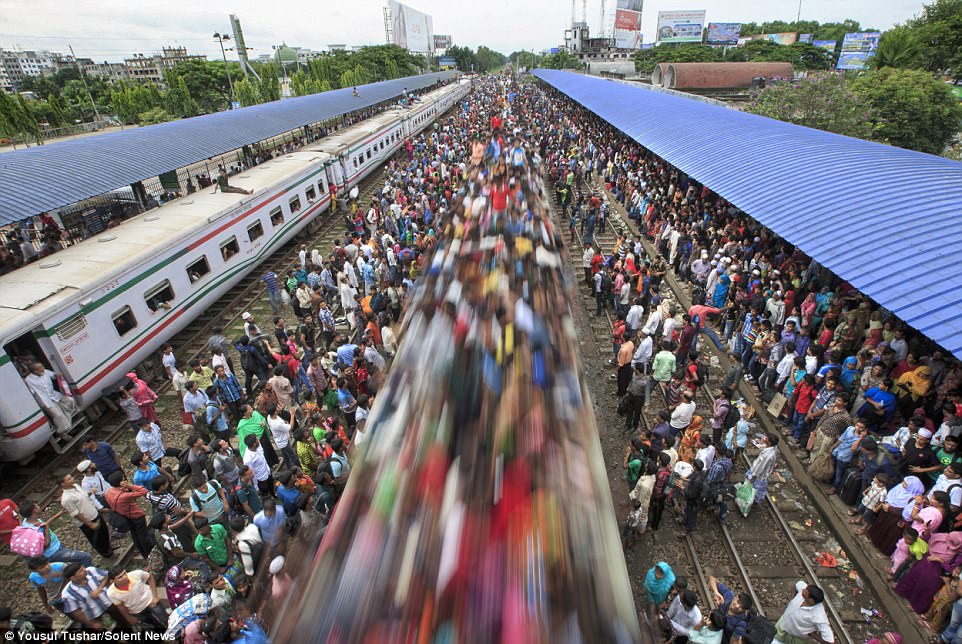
(843, 452)
(273, 289)
(271, 521)
(346, 353)
(229, 391)
(878, 409)
(735, 609)
(346, 401)
(101, 454)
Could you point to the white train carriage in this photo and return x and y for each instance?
(94, 311)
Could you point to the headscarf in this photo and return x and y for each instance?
(657, 589)
(903, 493)
(945, 545)
(178, 588)
(849, 372)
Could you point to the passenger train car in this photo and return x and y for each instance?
(94, 311)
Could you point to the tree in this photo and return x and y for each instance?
(561, 60)
(269, 87)
(938, 30)
(464, 58)
(178, 101)
(897, 48)
(913, 109)
(525, 59)
(155, 115)
(17, 120)
(248, 92)
(824, 101)
(647, 59)
(206, 82)
(489, 60)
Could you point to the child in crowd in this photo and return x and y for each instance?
(630, 531)
(872, 499)
(909, 548)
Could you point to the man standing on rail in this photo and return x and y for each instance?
(60, 407)
(804, 618)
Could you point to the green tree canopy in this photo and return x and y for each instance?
(561, 60)
(938, 31)
(913, 108)
(822, 101)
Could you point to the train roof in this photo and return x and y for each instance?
(33, 291)
(339, 141)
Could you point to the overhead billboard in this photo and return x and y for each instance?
(443, 42)
(680, 26)
(787, 38)
(826, 44)
(628, 24)
(411, 29)
(857, 49)
(723, 33)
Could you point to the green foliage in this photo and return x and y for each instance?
(154, 116)
(897, 48)
(525, 59)
(206, 82)
(17, 119)
(914, 109)
(481, 61)
(269, 86)
(822, 101)
(178, 101)
(801, 55)
(129, 101)
(248, 92)
(938, 30)
(561, 60)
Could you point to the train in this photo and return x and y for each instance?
(94, 311)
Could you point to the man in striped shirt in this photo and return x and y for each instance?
(230, 391)
(273, 289)
(85, 598)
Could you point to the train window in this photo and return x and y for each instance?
(369, 153)
(355, 163)
(124, 321)
(321, 187)
(277, 217)
(198, 269)
(229, 248)
(295, 204)
(160, 296)
(255, 231)
(310, 193)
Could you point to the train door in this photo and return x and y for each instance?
(25, 427)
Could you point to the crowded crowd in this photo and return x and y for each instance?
(277, 418)
(874, 405)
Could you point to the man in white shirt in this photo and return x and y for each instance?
(643, 352)
(786, 365)
(281, 433)
(254, 459)
(681, 417)
(58, 407)
(684, 613)
(78, 504)
(634, 316)
(805, 617)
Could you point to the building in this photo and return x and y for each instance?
(598, 54)
(15, 65)
(151, 68)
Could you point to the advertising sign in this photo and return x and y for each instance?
(781, 39)
(627, 28)
(857, 48)
(723, 33)
(680, 26)
(443, 42)
(411, 29)
(825, 44)
(446, 61)
(805, 38)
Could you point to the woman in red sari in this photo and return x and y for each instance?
(144, 396)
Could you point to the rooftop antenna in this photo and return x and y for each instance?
(584, 11)
(601, 21)
(574, 16)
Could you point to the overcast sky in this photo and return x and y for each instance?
(109, 29)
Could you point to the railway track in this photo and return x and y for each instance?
(40, 485)
(766, 535)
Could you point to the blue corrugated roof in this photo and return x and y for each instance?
(41, 178)
(885, 219)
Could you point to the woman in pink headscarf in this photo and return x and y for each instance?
(923, 580)
(808, 310)
(144, 396)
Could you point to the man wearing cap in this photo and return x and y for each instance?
(78, 504)
(700, 268)
(918, 458)
(776, 309)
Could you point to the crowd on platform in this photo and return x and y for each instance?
(875, 406)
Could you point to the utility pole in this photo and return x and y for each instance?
(221, 38)
(798, 19)
(83, 77)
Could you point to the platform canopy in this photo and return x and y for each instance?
(885, 219)
(37, 179)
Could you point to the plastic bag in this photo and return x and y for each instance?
(744, 497)
(285, 297)
(822, 468)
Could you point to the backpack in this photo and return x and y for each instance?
(183, 463)
(732, 417)
(760, 630)
(605, 283)
(701, 371)
(234, 505)
(377, 303)
(196, 497)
